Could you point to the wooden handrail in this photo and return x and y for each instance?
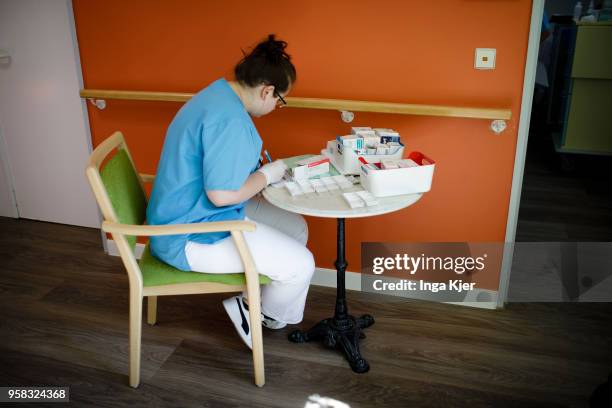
(318, 103)
(136, 95)
(400, 108)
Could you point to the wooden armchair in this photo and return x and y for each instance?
(119, 191)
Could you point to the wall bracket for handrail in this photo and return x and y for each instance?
(498, 116)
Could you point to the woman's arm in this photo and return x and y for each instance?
(267, 174)
(253, 185)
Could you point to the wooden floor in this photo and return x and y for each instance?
(63, 322)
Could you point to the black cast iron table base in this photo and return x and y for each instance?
(343, 334)
(342, 331)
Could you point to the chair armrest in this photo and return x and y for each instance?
(177, 229)
(147, 178)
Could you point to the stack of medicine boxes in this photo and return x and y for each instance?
(365, 140)
(374, 145)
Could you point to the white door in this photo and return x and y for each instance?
(42, 117)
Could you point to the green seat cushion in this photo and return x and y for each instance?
(156, 272)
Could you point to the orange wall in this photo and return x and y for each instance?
(383, 50)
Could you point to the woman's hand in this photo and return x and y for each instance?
(274, 171)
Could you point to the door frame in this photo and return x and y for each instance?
(537, 11)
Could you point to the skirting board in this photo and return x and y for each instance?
(327, 277)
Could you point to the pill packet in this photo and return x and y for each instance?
(293, 188)
(318, 186)
(353, 200)
(342, 182)
(306, 186)
(330, 183)
(367, 198)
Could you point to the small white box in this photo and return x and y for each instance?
(370, 139)
(342, 182)
(356, 129)
(383, 130)
(318, 186)
(351, 141)
(393, 147)
(293, 188)
(406, 180)
(311, 169)
(353, 200)
(389, 164)
(386, 132)
(306, 186)
(367, 134)
(329, 183)
(367, 198)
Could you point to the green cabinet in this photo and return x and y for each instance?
(588, 126)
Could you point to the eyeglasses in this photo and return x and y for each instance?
(282, 101)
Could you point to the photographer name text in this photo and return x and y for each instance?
(455, 285)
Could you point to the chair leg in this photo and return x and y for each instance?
(258, 360)
(135, 338)
(151, 310)
(255, 318)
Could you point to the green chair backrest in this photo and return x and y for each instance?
(124, 191)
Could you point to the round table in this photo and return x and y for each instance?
(342, 331)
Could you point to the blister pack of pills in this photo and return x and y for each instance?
(321, 185)
(359, 199)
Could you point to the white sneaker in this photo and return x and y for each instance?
(271, 323)
(239, 315)
(266, 321)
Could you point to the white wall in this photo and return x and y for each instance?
(41, 113)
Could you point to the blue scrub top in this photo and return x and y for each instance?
(211, 144)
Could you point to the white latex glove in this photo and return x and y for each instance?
(274, 171)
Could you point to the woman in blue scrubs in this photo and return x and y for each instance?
(208, 171)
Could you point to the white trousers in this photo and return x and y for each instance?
(278, 247)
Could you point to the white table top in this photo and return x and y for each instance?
(332, 204)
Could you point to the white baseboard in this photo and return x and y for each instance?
(327, 278)
(111, 249)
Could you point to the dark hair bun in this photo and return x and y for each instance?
(271, 49)
(268, 64)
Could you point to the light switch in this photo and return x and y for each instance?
(484, 58)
